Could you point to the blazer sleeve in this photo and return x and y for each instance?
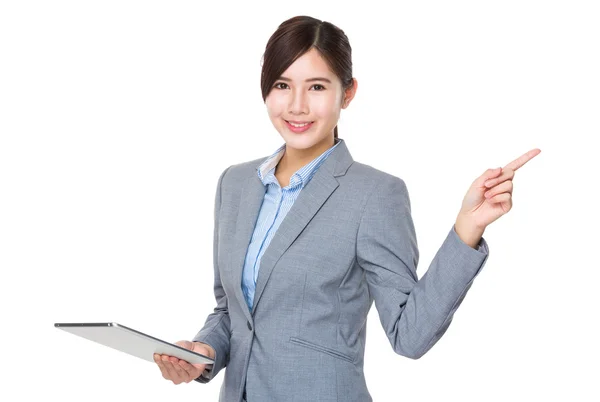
(216, 330)
(414, 313)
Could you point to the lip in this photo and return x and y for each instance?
(298, 122)
(298, 130)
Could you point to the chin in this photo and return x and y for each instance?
(299, 143)
(304, 138)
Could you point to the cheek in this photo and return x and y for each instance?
(326, 108)
(275, 106)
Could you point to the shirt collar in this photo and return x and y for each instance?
(266, 171)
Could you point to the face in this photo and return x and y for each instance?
(307, 92)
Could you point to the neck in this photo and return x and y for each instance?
(293, 159)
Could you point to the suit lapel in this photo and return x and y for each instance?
(309, 201)
(250, 203)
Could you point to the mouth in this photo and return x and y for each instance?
(298, 126)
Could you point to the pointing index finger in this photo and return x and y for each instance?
(523, 159)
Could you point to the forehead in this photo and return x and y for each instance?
(310, 64)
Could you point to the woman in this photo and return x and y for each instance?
(306, 239)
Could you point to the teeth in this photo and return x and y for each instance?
(298, 125)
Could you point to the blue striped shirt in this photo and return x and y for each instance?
(275, 206)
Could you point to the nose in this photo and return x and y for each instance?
(298, 102)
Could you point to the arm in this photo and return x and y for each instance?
(216, 330)
(414, 313)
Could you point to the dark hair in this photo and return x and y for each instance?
(298, 35)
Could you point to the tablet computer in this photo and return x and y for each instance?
(130, 341)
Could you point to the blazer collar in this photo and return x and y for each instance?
(309, 201)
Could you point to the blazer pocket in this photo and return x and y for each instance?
(323, 349)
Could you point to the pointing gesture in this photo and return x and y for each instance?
(490, 196)
(523, 159)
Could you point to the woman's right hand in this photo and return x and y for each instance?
(178, 370)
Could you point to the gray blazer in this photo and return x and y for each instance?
(347, 241)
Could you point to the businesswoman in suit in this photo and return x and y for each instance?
(307, 238)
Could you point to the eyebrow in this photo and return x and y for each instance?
(282, 78)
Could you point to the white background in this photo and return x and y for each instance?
(117, 117)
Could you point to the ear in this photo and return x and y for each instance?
(349, 93)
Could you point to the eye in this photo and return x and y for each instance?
(277, 85)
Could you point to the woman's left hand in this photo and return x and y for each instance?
(490, 195)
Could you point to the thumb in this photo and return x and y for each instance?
(185, 344)
(190, 345)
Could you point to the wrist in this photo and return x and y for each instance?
(468, 232)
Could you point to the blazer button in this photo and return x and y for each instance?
(249, 326)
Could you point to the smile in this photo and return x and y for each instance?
(298, 128)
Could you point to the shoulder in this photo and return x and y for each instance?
(372, 177)
(240, 171)
(383, 192)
